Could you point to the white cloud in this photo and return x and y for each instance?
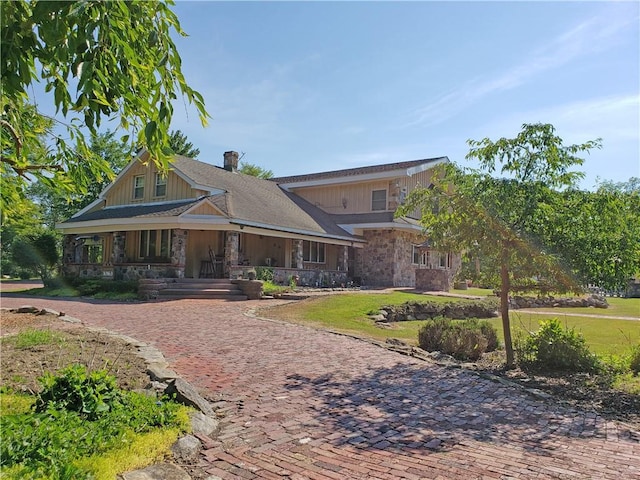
(594, 35)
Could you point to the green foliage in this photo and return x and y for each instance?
(462, 339)
(255, 171)
(31, 338)
(634, 360)
(269, 288)
(74, 389)
(264, 273)
(555, 348)
(52, 443)
(59, 204)
(36, 252)
(96, 60)
(596, 234)
(500, 218)
(179, 145)
(97, 286)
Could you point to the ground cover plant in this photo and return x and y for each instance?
(81, 407)
(81, 414)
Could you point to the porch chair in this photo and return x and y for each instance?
(208, 267)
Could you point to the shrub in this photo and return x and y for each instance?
(462, 339)
(264, 274)
(90, 394)
(555, 348)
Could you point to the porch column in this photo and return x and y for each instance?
(343, 259)
(118, 247)
(231, 251)
(298, 255)
(179, 250)
(69, 249)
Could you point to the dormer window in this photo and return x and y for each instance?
(378, 200)
(138, 187)
(161, 185)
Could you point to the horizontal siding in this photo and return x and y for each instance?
(356, 197)
(122, 192)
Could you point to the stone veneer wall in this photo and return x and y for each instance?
(374, 262)
(404, 274)
(386, 259)
(179, 251)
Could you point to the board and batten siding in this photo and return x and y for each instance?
(122, 192)
(356, 197)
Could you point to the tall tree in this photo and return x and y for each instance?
(498, 216)
(597, 233)
(181, 146)
(255, 170)
(98, 60)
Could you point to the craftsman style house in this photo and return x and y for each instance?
(201, 220)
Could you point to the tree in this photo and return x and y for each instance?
(598, 233)
(37, 252)
(58, 205)
(99, 60)
(255, 170)
(181, 146)
(498, 217)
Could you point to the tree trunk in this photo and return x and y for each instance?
(504, 307)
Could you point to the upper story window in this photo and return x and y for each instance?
(378, 200)
(138, 186)
(161, 185)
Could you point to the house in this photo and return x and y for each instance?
(201, 220)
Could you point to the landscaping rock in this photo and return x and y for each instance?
(201, 424)
(186, 448)
(186, 394)
(26, 309)
(159, 372)
(160, 471)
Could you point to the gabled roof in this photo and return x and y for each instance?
(136, 211)
(245, 200)
(388, 170)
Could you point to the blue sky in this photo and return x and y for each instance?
(305, 87)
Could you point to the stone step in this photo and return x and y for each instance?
(202, 280)
(203, 296)
(179, 291)
(203, 285)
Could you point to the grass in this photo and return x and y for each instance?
(31, 338)
(618, 307)
(347, 313)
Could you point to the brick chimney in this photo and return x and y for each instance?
(231, 161)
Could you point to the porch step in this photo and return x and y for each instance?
(202, 288)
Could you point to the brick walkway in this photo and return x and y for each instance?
(301, 403)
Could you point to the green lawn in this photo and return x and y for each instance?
(348, 313)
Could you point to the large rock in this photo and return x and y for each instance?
(160, 471)
(186, 394)
(186, 448)
(201, 424)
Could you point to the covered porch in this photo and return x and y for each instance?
(196, 253)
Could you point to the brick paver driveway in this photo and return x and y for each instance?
(301, 403)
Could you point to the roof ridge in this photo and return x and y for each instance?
(356, 170)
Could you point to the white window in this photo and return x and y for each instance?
(313, 252)
(138, 186)
(378, 200)
(155, 245)
(161, 185)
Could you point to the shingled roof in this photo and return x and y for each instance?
(349, 172)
